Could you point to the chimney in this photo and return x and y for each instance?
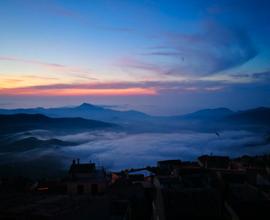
(78, 161)
(73, 162)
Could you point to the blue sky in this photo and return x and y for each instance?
(161, 57)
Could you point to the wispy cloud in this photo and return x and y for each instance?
(137, 64)
(148, 148)
(79, 90)
(213, 49)
(120, 88)
(209, 84)
(15, 59)
(263, 77)
(78, 72)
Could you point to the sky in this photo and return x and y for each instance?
(161, 57)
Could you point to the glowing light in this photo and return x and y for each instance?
(79, 92)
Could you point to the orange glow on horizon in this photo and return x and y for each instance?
(78, 92)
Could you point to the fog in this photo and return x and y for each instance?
(118, 150)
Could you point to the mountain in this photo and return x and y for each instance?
(95, 112)
(87, 106)
(85, 110)
(207, 114)
(217, 119)
(25, 122)
(259, 115)
(135, 121)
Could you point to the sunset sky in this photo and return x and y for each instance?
(160, 57)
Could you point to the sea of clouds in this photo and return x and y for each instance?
(119, 150)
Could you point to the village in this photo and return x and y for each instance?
(213, 187)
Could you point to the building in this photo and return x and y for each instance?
(214, 162)
(130, 199)
(187, 196)
(85, 178)
(165, 167)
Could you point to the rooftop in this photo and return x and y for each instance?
(76, 168)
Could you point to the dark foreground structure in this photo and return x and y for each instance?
(214, 187)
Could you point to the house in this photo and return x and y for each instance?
(165, 167)
(86, 178)
(130, 199)
(188, 196)
(214, 162)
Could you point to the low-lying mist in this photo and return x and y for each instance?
(119, 150)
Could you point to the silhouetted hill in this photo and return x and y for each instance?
(24, 122)
(257, 116)
(85, 110)
(210, 120)
(135, 121)
(207, 114)
(87, 106)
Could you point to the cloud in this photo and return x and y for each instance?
(209, 84)
(123, 150)
(14, 59)
(253, 12)
(147, 148)
(213, 49)
(120, 88)
(137, 64)
(263, 76)
(257, 77)
(88, 89)
(77, 71)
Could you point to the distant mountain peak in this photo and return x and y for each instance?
(88, 106)
(85, 104)
(221, 110)
(262, 108)
(210, 113)
(256, 115)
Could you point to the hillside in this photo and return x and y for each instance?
(24, 122)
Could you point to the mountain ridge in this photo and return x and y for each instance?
(95, 112)
(85, 110)
(24, 122)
